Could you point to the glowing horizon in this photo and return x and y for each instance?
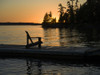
(28, 10)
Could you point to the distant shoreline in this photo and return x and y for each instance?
(8, 24)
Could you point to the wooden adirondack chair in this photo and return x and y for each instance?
(28, 45)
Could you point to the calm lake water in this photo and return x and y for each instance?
(50, 37)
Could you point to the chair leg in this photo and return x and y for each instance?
(39, 45)
(27, 46)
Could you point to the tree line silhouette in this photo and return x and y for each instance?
(75, 13)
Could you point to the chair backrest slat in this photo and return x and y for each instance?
(28, 36)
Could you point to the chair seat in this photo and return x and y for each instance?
(39, 42)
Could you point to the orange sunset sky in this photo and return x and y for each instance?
(29, 10)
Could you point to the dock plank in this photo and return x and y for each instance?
(46, 51)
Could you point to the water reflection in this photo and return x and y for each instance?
(91, 37)
(40, 67)
(61, 37)
(51, 37)
(71, 37)
(30, 67)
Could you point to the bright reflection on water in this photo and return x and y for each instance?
(41, 67)
(50, 36)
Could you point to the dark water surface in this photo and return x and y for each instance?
(46, 67)
(50, 37)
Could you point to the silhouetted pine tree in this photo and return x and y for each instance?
(61, 10)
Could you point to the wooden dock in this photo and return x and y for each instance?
(50, 52)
